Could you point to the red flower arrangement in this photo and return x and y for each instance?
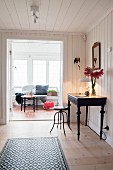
(94, 75)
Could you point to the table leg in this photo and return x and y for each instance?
(78, 121)
(24, 103)
(101, 120)
(21, 103)
(34, 104)
(86, 115)
(68, 113)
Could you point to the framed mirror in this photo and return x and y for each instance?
(96, 56)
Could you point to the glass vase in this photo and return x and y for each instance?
(93, 91)
(93, 81)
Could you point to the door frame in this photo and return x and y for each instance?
(5, 70)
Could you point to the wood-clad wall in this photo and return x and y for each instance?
(0, 76)
(103, 33)
(74, 46)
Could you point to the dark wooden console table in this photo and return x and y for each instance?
(81, 100)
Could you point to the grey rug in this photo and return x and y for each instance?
(44, 153)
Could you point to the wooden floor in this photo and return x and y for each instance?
(90, 153)
(29, 114)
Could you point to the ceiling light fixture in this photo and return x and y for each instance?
(35, 10)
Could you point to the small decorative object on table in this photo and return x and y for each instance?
(94, 74)
(30, 93)
(86, 93)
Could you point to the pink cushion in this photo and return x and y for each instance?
(48, 105)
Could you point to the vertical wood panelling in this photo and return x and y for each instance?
(111, 120)
(100, 80)
(0, 74)
(88, 51)
(103, 32)
(70, 61)
(102, 54)
(78, 51)
(109, 108)
(83, 62)
(65, 66)
(105, 52)
(78, 48)
(109, 55)
(74, 65)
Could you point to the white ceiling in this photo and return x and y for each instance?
(54, 15)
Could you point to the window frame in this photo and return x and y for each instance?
(30, 60)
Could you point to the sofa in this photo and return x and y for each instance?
(36, 90)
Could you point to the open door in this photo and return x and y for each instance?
(7, 83)
(10, 75)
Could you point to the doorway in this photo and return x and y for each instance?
(34, 62)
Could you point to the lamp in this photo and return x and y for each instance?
(35, 10)
(76, 60)
(85, 80)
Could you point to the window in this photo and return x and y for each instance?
(54, 73)
(44, 72)
(37, 63)
(20, 72)
(39, 72)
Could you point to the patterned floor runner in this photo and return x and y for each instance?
(44, 153)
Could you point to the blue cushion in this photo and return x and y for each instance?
(41, 89)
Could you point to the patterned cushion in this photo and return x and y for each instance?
(27, 89)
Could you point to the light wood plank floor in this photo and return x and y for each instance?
(90, 153)
(29, 114)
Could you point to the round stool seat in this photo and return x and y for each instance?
(60, 108)
(60, 111)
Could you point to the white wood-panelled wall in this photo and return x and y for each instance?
(103, 33)
(0, 76)
(74, 46)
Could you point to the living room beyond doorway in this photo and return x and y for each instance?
(35, 63)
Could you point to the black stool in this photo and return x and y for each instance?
(60, 112)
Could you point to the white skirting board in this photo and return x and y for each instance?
(109, 139)
(2, 121)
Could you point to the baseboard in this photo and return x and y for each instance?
(73, 119)
(94, 127)
(2, 121)
(109, 139)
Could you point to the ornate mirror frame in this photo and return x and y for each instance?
(96, 56)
